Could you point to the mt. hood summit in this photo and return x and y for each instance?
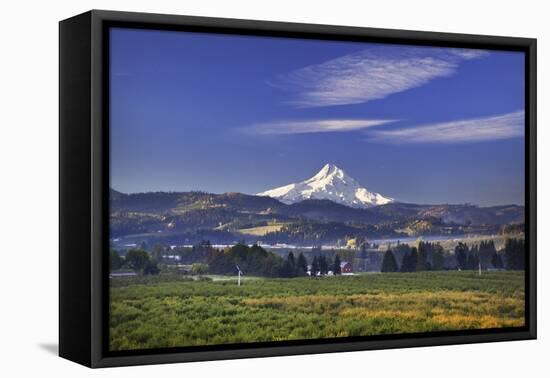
(330, 183)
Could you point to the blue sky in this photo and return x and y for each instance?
(222, 113)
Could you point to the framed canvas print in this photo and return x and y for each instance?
(233, 188)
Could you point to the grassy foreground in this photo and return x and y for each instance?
(166, 312)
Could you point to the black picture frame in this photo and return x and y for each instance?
(84, 187)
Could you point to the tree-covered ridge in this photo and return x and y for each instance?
(188, 217)
(317, 233)
(180, 202)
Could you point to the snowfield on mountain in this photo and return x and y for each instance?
(330, 183)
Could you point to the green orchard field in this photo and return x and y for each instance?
(168, 311)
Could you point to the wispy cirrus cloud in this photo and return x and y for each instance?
(371, 74)
(497, 127)
(312, 126)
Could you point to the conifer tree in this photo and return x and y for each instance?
(461, 255)
(473, 258)
(336, 267)
(301, 265)
(314, 266)
(496, 261)
(414, 259)
(422, 258)
(323, 266)
(405, 264)
(409, 261)
(389, 264)
(291, 264)
(514, 253)
(438, 258)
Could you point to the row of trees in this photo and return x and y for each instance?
(204, 258)
(294, 267)
(322, 265)
(431, 256)
(484, 254)
(514, 253)
(252, 260)
(255, 260)
(428, 256)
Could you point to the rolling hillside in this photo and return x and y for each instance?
(184, 217)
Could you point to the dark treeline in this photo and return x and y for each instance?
(252, 261)
(514, 253)
(205, 259)
(431, 256)
(255, 260)
(324, 264)
(137, 260)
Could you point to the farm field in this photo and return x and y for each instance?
(263, 230)
(169, 311)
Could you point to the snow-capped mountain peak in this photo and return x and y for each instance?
(328, 170)
(330, 183)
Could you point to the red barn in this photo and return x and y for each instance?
(345, 267)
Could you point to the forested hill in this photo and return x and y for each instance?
(225, 216)
(174, 203)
